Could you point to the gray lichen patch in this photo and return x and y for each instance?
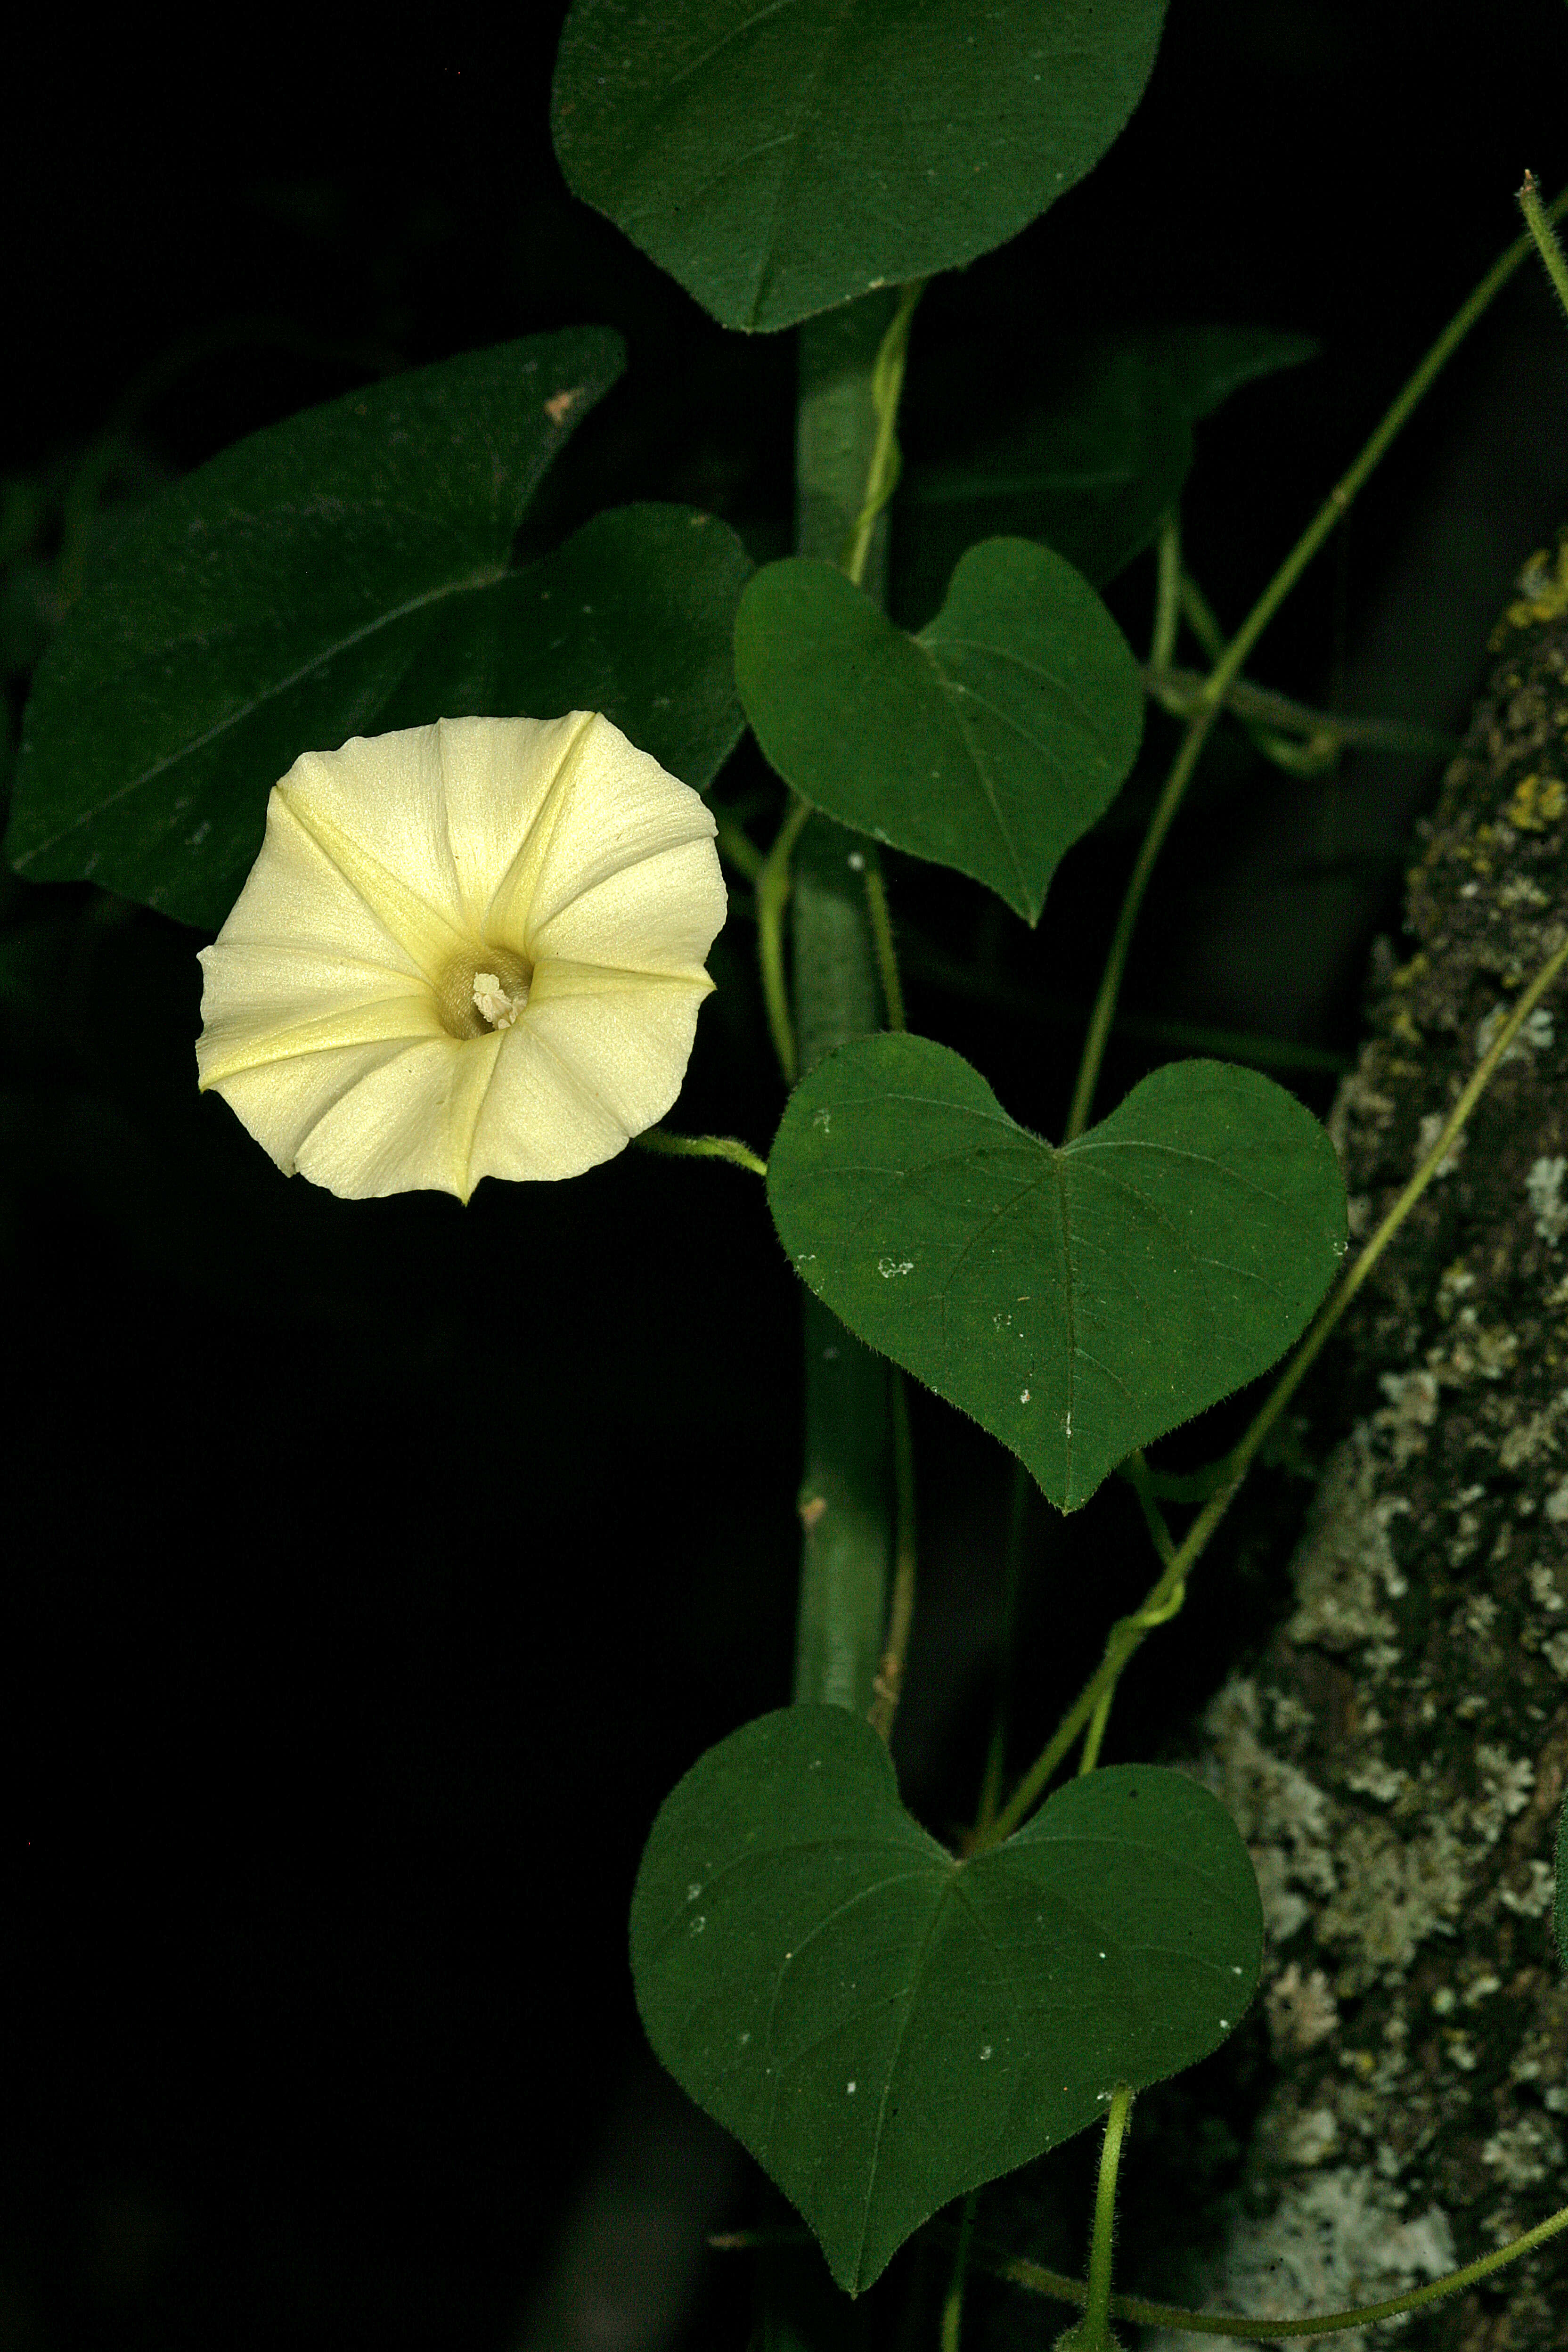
(1346, 1573)
(1393, 1893)
(1396, 1758)
(1333, 2241)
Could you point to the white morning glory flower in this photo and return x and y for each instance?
(467, 950)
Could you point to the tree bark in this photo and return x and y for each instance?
(1396, 1758)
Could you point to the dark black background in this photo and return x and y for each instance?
(375, 1569)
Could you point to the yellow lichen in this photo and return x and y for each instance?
(1544, 589)
(1537, 802)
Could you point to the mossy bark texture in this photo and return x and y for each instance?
(1396, 1760)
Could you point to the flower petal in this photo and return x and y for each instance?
(505, 780)
(420, 929)
(282, 1102)
(263, 1002)
(614, 806)
(660, 914)
(541, 1119)
(407, 1124)
(586, 1068)
(312, 887)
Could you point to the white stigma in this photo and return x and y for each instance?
(492, 1002)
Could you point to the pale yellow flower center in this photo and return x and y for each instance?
(479, 994)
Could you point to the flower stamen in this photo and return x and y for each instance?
(482, 993)
(492, 1003)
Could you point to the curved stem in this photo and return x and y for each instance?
(889, 1683)
(1160, 824)
(1538, 221)
(1041, 2280)
(1259, 708)
(701, 1147)
(773, 889)
(1228, 666)
(1167, 591)
(1164, 1598)
(887, 384)
(1094, 2333)
(736, 845)
(882, 941)
(952, 2305)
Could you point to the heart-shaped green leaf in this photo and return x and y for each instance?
(777, 161)
(344, 574)
(1079, 1301)
(988, 742)
(884, 2027)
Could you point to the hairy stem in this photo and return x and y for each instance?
(1538, 221)
(701, 1147)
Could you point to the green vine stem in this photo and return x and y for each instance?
(1228, 666)
(1538, 221)
(881, 924)
(889, 1682)
(1167, 593)
(952, 2326)
(1127, 1634)
(735, 844)
(1062, 2289)
(851, 369)
(701, 1147)
(1270, 717)
(1092, 2332)
(775, 882)
(882, 474)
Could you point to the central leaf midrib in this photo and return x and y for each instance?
(766, 244)
(1059, 1172)
(946, 1894)
(970, 756)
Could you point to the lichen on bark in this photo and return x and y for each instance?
(1396, 1758)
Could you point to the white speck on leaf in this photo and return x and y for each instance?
(889, 1266)
(850, 2088)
